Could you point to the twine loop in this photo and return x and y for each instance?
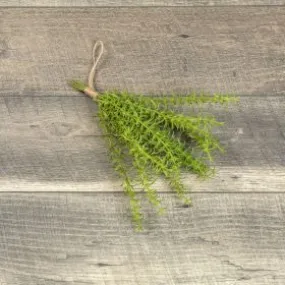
(90, 90)
(95, 62)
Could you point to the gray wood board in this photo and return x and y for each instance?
(55, 144)
(123, 3)
(148, 50)
(88, 239)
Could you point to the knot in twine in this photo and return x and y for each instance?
(90, 90)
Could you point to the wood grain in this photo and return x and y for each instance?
(148, 50)
(54, 144)
(124, 3)
(88, 239)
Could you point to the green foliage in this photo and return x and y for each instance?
(145, 134)
(77, 85)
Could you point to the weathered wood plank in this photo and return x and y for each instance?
(88, 239)
(148, 50)
(124, 3)
(54, 144)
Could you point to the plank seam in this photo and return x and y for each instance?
(121, 192)
(281, 95)
(147, 7)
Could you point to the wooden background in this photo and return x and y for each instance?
(63, 216)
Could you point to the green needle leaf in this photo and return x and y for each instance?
(142, 135)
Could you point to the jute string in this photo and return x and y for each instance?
(90, 90)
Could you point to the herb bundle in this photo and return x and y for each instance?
(147, 138)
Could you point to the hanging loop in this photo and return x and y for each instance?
(91, 77)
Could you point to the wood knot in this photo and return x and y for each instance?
(3, 49)
(61, 129)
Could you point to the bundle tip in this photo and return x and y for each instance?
(77, 85)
